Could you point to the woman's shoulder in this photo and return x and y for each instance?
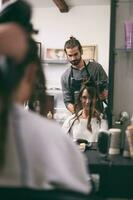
(70, 117)
(68, 121)
(71, 121)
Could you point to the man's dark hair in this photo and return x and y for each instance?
(71, 43)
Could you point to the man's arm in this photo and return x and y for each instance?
(13, 41)
(67, 93)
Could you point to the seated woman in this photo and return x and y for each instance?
(87, 121)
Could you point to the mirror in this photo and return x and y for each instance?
(59, 36)
(88, 21)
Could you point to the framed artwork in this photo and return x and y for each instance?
(55, 55)
(90, 52)
(39, 49)
(58, 55)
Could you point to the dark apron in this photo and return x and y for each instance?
(88, 80)
(75, 85)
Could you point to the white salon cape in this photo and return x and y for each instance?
(40, 156)
(77, 128)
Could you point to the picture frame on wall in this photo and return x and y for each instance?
(55, 55)
(90, 52)
(39, 49)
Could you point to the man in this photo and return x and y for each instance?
(80, 72)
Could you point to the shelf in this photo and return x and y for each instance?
(123, 50)
(54, 61)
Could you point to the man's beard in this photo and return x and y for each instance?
(76, 62)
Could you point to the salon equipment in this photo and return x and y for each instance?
(124, 116)
(115, 141)
(103, 143)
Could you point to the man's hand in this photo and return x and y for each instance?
(103, 95)
(70, 107)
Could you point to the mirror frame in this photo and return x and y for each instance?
(111, 61)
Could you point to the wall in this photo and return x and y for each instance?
(89, 24)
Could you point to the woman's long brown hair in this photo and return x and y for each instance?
(10, 78)
(93, 112)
